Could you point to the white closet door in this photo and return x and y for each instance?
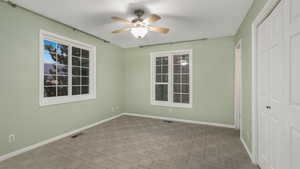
(291, 138)
(279, 88)
(270, 88)
(263, 93)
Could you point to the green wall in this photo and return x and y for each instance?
(20, 113)
(213, 74)
(244, 33)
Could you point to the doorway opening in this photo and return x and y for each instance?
(238, 85)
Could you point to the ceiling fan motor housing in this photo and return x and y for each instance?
(139, 13)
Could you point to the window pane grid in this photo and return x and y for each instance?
(176, 86)
(80, 66)
(76, 71)
(161, 78)
(55, 75)
(181, 83)
(56, 64)
(59, 71)
(80, 76)
(78, 57)
(57, 85)
(181, 79)
(55, 69)
(161, 83)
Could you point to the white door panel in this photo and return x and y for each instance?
(294, 11)
(292, 108)
(295, 148)
(276, 73)
(274, 144)
(278, 87)
(262, 89)
(295, 69)
(270, 88)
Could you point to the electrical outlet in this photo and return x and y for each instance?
(11, 138)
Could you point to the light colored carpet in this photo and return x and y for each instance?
(140, 143)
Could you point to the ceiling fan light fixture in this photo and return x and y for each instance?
(139, 32)
(139, 27)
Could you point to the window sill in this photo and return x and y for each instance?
(162, 104)
(65, 99)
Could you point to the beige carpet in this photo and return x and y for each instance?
(140, 143)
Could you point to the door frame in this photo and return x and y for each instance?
(263, 14)
(238, 114)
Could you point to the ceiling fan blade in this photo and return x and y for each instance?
(159, 29)
(118, 19)
(152, 18)
(121, 30)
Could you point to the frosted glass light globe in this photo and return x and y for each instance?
(139, 32)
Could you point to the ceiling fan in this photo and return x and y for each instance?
(140, 26)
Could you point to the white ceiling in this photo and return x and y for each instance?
(187, 19)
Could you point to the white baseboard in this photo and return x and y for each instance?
(34, 146)
(247, 149)
(180, 120)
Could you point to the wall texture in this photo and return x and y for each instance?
(20, 113)
(244, 33)
(213, 73)
(123, 79)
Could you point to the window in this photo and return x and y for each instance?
(171, 78)
(67, 70)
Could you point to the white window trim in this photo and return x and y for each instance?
(92, 70)
(170, 103)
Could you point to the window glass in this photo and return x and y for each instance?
(66, 66)
(80, 71)
(161, 92)
(181, 79)
(161, 78)
(172, 79)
